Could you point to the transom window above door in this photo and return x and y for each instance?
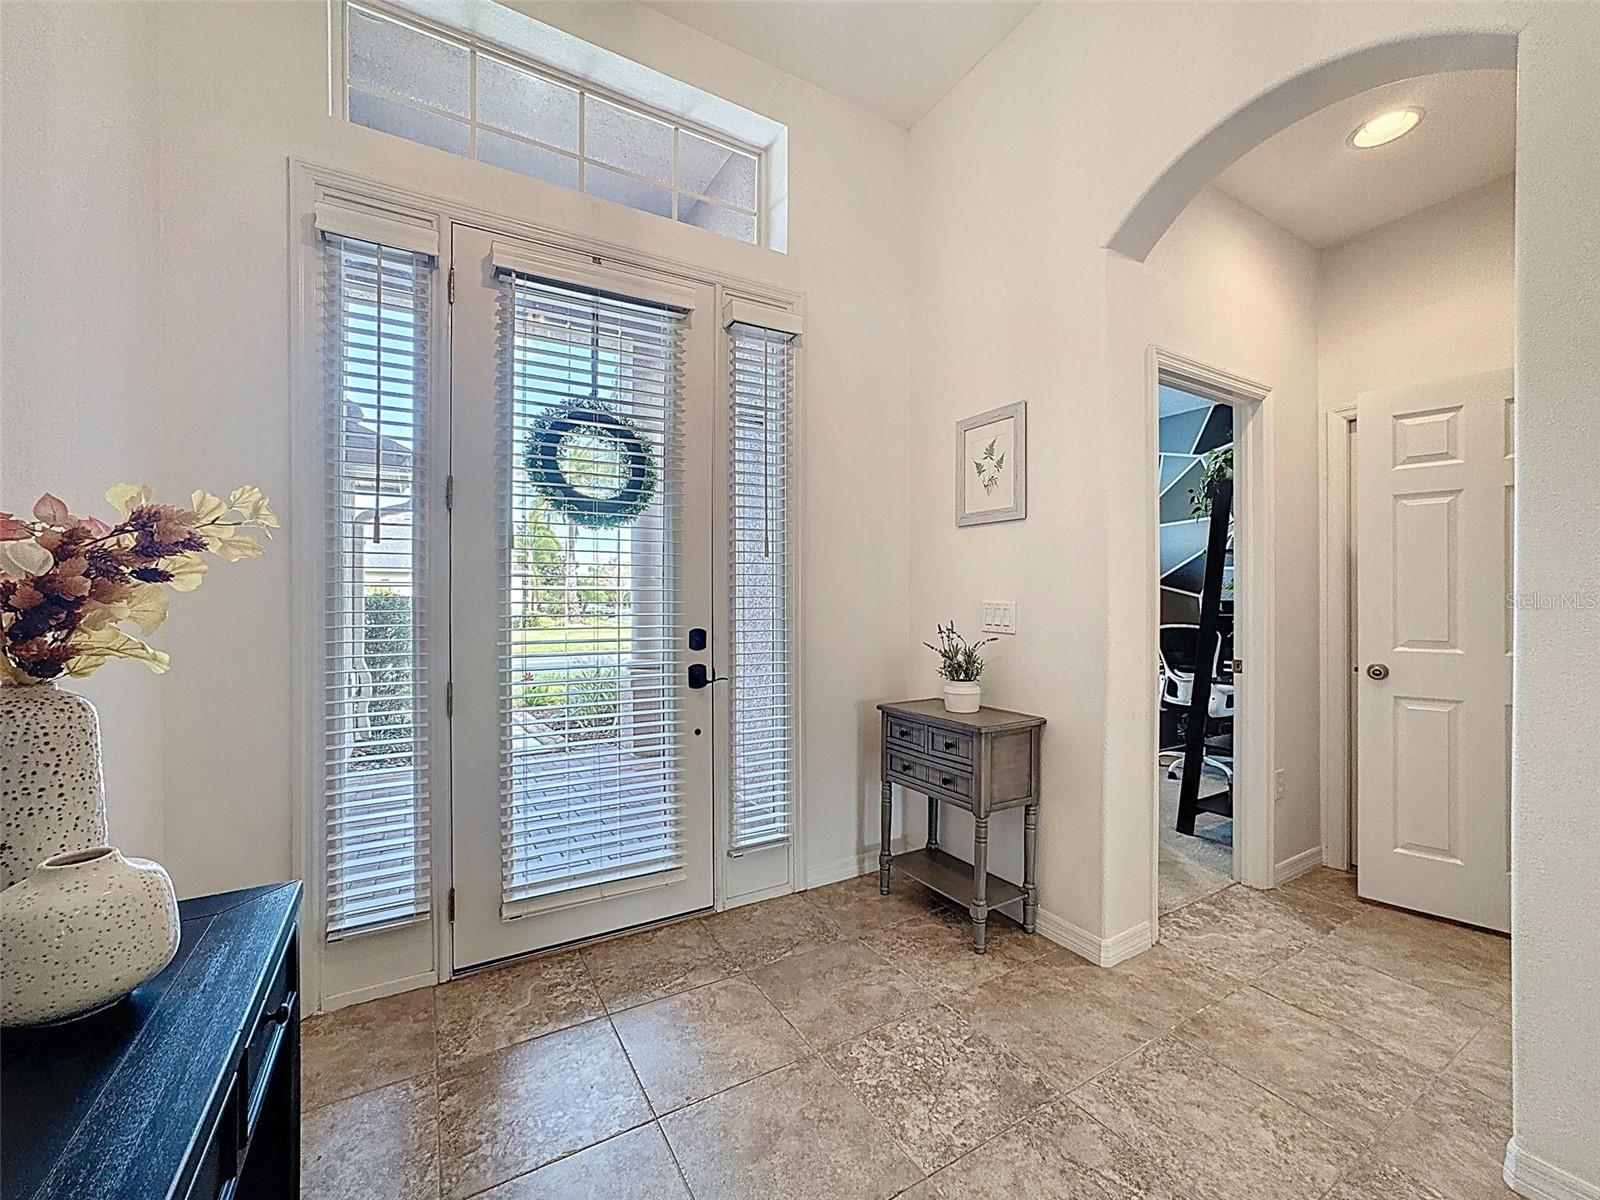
(454, 90)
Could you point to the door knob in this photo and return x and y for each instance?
(1378, 671)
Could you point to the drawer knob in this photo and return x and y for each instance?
(945, 781)
(904, 733)
(279, 1015)
(949, 745)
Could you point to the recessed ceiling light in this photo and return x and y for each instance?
(1385, 127)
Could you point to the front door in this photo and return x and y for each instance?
(1434, 508)
(582, 402)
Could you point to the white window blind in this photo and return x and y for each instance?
(761, 558)
(374, 685)
(590, 631)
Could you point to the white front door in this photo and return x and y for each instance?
(1434, 508)
(581, 448)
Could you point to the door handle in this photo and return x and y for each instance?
(1378, 671)
(701, 676)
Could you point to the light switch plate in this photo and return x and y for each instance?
(1000, 616)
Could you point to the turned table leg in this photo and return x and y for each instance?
(884, 856)
(980, 883)
(1030, 863)
(933, 823)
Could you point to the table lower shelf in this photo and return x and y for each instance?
(950, 877)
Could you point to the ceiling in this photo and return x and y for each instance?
(1309, 181)
(896, 58)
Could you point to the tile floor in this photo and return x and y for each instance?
(841, 1044)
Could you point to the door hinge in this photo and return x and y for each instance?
(449, 493)
(450, 904)
(450, 286)
(450, 698)
(1237, 666)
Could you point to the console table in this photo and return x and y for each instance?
(189, 1089)
(983, 762)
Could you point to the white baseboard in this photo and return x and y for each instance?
(1299, 864)
(1533, 1177)
(847, 868)
(1104, 952)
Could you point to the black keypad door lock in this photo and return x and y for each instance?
(700, 675)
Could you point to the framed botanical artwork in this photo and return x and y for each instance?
(992, 466)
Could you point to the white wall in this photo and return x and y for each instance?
(244, 87)
(1231, 290)
(1423, 298)
(79, 406)
(1025, 172)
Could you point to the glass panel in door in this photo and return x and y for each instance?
(581, 558)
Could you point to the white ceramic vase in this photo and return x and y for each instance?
(962, 697)
(52, 796)
(81, 932)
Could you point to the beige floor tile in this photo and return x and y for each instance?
(856, 905)
(1453, 1140)
(756, 934)
(700, 1042)
(1344, 1081)
(1184, 881)
(839, 991)
(375, 1146)
(366, 1046)
(631, 1166)
(1059, 1153)
(1398, 1016)
(1162, 987)
(1240, 933)
(937, 953)
(941, 1087)
(793, 1134)
(510, 1111)
(654, 963)
(1056, 1020)
(1322, 894)
(1460, 964)
(1485, 1063)
(1213, 1132)
(498, 1008)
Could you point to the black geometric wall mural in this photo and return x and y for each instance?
(1190, 428)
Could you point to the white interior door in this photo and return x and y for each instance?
(1434, 507)
(582, 780)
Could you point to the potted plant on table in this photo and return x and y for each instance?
(960, 666)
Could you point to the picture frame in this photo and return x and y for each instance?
(992, 466)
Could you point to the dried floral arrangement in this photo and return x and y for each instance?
(67, 583)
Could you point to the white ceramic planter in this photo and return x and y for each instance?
(81, 932)
(52, 796)
(962, 697)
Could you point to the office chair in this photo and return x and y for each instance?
(1178, 646)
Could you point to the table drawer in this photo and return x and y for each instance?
(947, 743)
(901, 764)
(266, 1042)
(904, 735)
(943, 778)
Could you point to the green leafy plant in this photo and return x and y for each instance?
(989, 465)
(959, 660)
(1214, 471)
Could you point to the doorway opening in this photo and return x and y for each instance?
(1195, 644)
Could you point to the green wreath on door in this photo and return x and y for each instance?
(616, 489)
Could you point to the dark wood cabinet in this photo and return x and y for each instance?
(187, 1090)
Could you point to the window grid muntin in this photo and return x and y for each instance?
(479, 48)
